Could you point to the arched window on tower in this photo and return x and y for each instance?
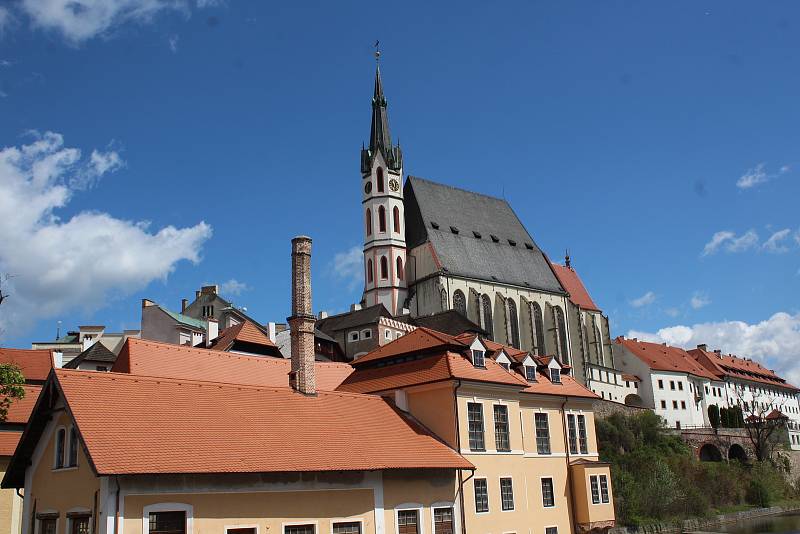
(369, 271)
(381, 219)
(561, 335)
(460, 302)
(379, 178)
(400, 273)
(396, 213)
(384, 268)
(486, 316)
(369, 221)
(513, 323)
(444, 300)
(537, 328)
(598, 345)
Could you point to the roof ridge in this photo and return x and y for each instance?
(421, 179)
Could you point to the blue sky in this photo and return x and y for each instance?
(631, 133)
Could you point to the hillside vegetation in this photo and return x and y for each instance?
(656, 477)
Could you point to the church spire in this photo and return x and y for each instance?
(380, 140)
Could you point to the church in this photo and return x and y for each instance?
(431, 248)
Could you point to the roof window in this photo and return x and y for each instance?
(435, 225)
(454, 229)
(476, 234)
(528, 246)
(478, 358)
(512, 242)
(555, 375)
(494, 238)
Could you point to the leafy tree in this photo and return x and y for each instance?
(713, 415)
(11, 387)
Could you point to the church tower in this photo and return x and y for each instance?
(382, 212)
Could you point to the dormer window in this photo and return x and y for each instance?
(555, 376)
(530, 373)
(478, 358)
(505, 366)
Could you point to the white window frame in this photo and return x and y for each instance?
(550, 526)
(366, 334)
(59, 428)
(85, 513)
(409, 506)
(445, 504)
(541, 492)
(600, 478)
(297, 523)
(231, 527)
(353, 338)
(68, 448)
(387, 335)
(589, 490)
(347, 520)
(474, 497)
(168, 507)
(500, 490)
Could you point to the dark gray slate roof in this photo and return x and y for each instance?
(450, 322)
(96, 353)
(335, 323)
(475, 236)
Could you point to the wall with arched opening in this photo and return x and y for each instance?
(710, 453)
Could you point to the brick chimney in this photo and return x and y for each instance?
(703, 347)
(184, 305)
(302, 319)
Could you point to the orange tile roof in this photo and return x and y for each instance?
(8, 441)
(665, 358)
(569, 387)
(728, 365)
(631, 378)
(572, 283)
(164, 425)
(421, 339)
(245, 332)
(20, 410)
(152, 358)
(35, 364)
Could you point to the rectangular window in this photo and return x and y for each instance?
(79, 525)
(501, 428)
(351, 527)
(241, 530)
(300, 529)
(481, 495)
(530, 373)
(73, 447)
(551, 530)
(478, 358)
(442, 521)
(542, 433)
(61, 439)
(548, 498)
(660, 384)
(604, 488)
(672, 385)
(675, 404)
(167, 523)
(595, 489)
(47, 526)
(555, 376)
(680, 386)
(582, 440)
(475, 418)
(573, 434)
(664, 404)
(683, 405)
(507, 494)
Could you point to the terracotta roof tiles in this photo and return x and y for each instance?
(35, 364)
(8, 442)
(574, 286)
(728, 365)
(665, 358)
(421, 339)
(245, 332)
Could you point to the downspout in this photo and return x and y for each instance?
(116, 507)
(94, 512)
(460, 471)
(569, 477)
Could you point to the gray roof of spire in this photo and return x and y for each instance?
(380, 139)
(431, 209)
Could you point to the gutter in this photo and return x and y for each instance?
(461, 480)
(567, 457)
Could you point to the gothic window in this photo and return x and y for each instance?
(384, 268)
(514, 322)
(369, 271)
(381, 219)
(460, 302)
(537, 329)
(444, 300)
(486, 304)
(598, 345)
(396, 212)
(400, 274)
(369, 221)
(379, 178)
(561, 334)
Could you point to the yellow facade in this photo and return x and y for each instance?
(10, 505)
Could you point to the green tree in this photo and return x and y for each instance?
(713, 415)
(11, 387)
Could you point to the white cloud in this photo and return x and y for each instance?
(699, 300)
(173, 43)
(645, 300)
(5, 62)
(758, 175)
(774, 342)
(672, 312)
(775, 242)
(59, 265)
(730, 242)
(348, 266)
(233, 287)
(5, 22)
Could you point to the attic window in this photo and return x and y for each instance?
(478, 359)
(530, 373)
(454, 229)
(434, 225)
(494, 238)
(555, 376)
(528, 246)
(512, 242)
(476, 234)
(505, 366)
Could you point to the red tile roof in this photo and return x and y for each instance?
(572, 283)
(665, 358)
(421, 339)
(631, 378)
(245, 332)
(20, 410)
(164, 425)
(8, 441)
(728, 365)
(152, 358)
(35, 364)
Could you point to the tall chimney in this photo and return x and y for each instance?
(212, 330)
(703, 347)
(184, 305)
(302, 320)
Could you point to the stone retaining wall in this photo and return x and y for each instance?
(704, 524)
(604, 408)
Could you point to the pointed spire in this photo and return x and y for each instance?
(380, 139)
(567, 263)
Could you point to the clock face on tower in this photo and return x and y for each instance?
(394, 185)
